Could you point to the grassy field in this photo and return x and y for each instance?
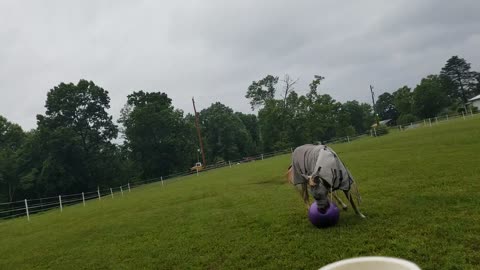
(421, 198)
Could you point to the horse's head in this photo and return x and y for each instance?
(320, 194)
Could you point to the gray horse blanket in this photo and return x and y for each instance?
(320, 160)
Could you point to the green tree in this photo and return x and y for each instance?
(298, 119)
(296, 128)
(460, 80)
(385, 106)
(262, 91)
(321, 112)
(405, 119)
(250, 121)
(74, 138)
(284, 123)
(272, 132)
(11, 140)
(403, 100)
(430, 97)
(83, 109)
(226, 137)
(195, 154)
(156, 134)
(322, 115)
(353, 118)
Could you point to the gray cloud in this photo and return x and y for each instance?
(214, 49)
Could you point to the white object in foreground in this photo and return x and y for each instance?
(372, 263)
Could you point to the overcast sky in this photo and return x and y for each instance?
(214, 49)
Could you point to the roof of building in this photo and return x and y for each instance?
(475, 98)
(383, 122)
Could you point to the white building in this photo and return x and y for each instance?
(475, 101)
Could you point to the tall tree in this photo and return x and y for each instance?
(226, 137)
(403, 100)
(295, 128)
(194, 155)
(359, 116)
(462, 82)
(289, 86)
(250, 121)
(430, 97)
(322, 112)
(262, 91)
(271, 122)
(82, 108)
(75, 137)
(11, 140)
(156, 134)
(386, 108)
(298, 119)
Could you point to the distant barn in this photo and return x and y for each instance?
(475, 102)
(386, 122)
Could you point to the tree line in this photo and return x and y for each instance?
(72, 148)
(437, 94)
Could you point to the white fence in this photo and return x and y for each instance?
(28, 207)
(428, 122)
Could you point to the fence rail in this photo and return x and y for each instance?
(28, 207)
(435, 120)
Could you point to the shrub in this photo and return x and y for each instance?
(382, 130)
(406, 119)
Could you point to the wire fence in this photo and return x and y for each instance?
(28, 207)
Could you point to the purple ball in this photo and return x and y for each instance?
(329, 218)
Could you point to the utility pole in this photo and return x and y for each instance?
(199, 134)
(374, 109)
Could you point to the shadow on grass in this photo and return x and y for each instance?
(270, 181)
(194, 197)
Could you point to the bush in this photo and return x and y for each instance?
(382, 130)
(406, 119)
(345, 131)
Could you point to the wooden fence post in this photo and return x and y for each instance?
(26, 209)
(60, 201)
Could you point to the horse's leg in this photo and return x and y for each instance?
(350, 199)
(305, 195)
(344, 206)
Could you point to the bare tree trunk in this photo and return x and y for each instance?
(11, 192)
(289, 83)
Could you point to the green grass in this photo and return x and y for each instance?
(421, 197)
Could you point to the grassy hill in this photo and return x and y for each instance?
(420, 192)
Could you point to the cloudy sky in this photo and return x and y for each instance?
(214, 49)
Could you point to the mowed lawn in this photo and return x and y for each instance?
(421, 196)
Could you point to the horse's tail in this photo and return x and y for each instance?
(289, 174)
(304, 193)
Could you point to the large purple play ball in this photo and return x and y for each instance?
(329, 218)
